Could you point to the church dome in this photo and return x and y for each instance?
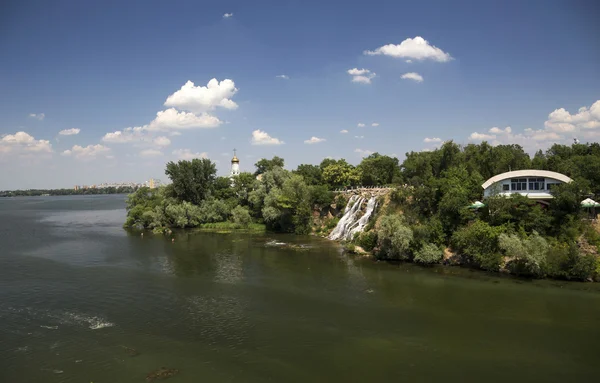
(235, 160)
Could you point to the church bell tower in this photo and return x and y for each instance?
(235, 165)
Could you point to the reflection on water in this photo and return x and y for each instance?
(78, 294)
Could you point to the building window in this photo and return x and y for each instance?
(505, 187)
(536, 184)
(518, 184)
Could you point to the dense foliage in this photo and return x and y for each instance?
(513, 234)
(426, 218)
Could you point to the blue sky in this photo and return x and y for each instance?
(507, 72)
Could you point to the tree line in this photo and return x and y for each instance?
(426, 218)
(57, 192)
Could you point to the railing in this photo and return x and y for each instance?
(362, 189)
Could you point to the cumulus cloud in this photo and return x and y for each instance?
(162, 141)
(23, 143)
(69, 132)
(362, 76)
(89, 152)
(37, 116)
(314, 140)
(475, 136)
(147, 153)
(415, 49)
(343, 131)
(283, 76)
(412, 76)
(200, 99)
(126, 135)
(434, 139)
(529, 139)
(560, 120)
(360, 125)
(171, 119)
(363, 152)
(359, 137)
(375, 124)
(227, 15)
(260, 137)
(187, 154)
(496, 130)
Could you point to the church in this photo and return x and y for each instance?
(235, 166)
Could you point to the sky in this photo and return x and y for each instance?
(110, 91)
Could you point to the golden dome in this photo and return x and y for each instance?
(235, 160)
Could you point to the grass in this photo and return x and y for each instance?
(226, 227)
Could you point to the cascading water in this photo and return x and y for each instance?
(362, 222)
(349, 224)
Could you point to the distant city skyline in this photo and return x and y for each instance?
(96, 90)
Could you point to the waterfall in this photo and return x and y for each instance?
(362, 222)
(349, 224)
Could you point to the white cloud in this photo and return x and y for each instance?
(37, 116)
(360, 125)
(412, 76)
(162, 141)
(475, 136)
(260, 137)
(314, 140)
(22, 142)
(359, 137)
(586, 118)
(150, 153)
(496, 130)
(187, 154)
(434, 139)
(227, 15)
(362, 76)
(283, 76)
(363, 152)
(409, 61)
(127, 135)
(416, 49)
(375, 124)
(69, 132)
(200, 99)
(171, 119)
(89, 152)
(343, 131)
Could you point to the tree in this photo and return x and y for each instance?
(428, 254)
(310, 173)
(192, 181)
(341, 174)
(393, 238)
(264, 165)
(378, 169)
(241, 216)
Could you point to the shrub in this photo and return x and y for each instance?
(565, 262)
(478, 242)
(367, 240)
(350, 248)
(527, 256)
(213, 210)
(393, 238)
(241, 216)
(428, 254)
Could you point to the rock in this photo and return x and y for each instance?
(161, 373)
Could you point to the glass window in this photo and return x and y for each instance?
(518, 184)
(506, 187)
(536, 184)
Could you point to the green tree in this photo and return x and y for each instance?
(393, 238)
(341, 174)
(378, 169)
(428, 254)
(310, 173)
(192, 181)
(241, 216)
(478, 244)
(264, 165)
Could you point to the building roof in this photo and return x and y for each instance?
(525, 173)
(235, 159)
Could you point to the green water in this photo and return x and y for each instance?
(75, 288)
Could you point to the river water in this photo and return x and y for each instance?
(78, 294)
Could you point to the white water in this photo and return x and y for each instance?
(362, 222)
(349, 224)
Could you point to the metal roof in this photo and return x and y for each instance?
(526, 173)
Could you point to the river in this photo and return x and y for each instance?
(80, 296)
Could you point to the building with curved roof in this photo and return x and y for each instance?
(531, 183)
